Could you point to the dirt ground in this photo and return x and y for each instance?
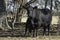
(31, 38)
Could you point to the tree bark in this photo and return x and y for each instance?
(51, 5)
(46, 3)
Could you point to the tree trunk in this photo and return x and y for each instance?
(51, 5)
(46, 3)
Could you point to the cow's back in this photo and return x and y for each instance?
(44, 17)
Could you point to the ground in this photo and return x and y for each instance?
(30, 38)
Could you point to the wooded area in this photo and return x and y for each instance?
(19, 13)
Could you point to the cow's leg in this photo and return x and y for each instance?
(30, 30)
(26, 28)
(37, 29)
(44, 30)
(36, 32)
(33, 32)
(48, 29)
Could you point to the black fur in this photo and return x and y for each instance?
(38, 18)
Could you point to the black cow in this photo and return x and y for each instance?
(44, 19)
(38, 18)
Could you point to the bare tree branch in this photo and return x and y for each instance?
(51, 5)
(46, 3)
(30, 2)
